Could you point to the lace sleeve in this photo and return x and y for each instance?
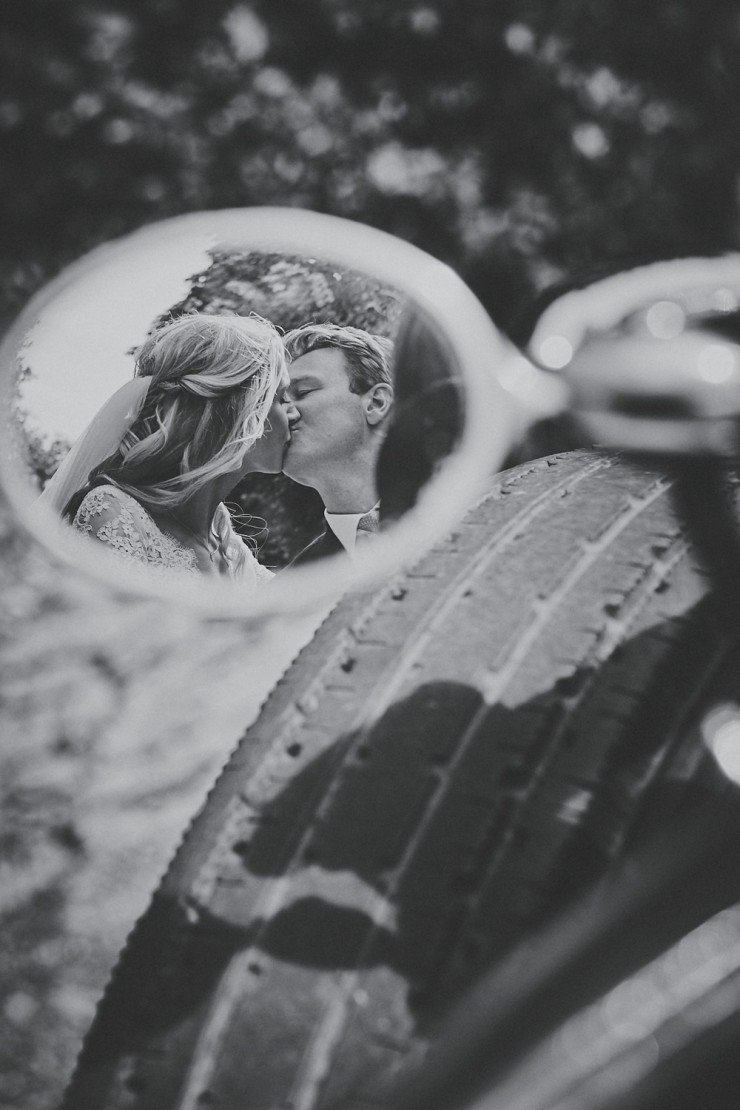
(104, 516)
(113, 518)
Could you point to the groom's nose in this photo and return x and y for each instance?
(292, 413)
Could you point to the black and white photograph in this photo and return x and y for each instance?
(370, 573)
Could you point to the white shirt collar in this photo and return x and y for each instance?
(344, 527)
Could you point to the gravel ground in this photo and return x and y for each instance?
(115, 717)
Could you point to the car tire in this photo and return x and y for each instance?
(451, 761)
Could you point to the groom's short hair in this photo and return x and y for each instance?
(367, 357)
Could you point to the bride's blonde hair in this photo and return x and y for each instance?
(213, 380)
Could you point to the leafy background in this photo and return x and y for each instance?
(525, 143)
(530, 145)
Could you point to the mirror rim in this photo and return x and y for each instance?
(493, 414)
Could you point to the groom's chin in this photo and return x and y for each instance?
(292, 470)
(294, 477)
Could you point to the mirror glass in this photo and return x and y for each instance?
(63, 382)
(371, 414)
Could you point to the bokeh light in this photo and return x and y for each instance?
(555, 352)
(716, 363)
(665, 319)
(721, 734)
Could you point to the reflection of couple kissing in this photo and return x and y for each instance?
(212, 402)
(342, 392)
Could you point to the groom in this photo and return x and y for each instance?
(342, 394)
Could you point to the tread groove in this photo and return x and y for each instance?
(447, 761)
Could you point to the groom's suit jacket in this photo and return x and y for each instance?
(324, 544)
(328, 543)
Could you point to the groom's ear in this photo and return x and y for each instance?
(377, 403)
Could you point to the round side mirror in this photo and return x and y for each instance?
(75, 342)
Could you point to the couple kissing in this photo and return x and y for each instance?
(213, 399)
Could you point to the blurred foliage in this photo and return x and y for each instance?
(525, 143)
(42, 458)
(291, 290)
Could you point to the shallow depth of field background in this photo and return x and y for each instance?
(525, 143)
(530, 145)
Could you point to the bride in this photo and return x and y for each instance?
(148, 477)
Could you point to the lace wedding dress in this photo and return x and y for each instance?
(121, 523)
